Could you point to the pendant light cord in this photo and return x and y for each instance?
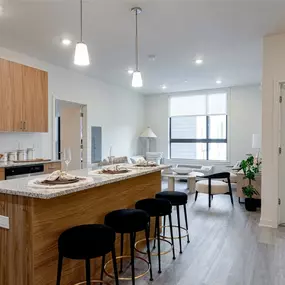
(137, 43)
(81, 30)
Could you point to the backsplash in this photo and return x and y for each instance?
(11, 141)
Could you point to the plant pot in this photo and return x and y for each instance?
(250, 204)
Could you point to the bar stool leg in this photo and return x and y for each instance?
(88, 274)
(186, 222)
(158, 243)
(171, 233)
(179, 229)
(59, 269)
(154, 241)
(164, 224)
(122, 251)
(132, 257)
(148, 250)
(115, 266)
(102, 267)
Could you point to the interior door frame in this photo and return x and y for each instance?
(278, 93)
(85, 135)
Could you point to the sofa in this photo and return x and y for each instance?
(205, 169)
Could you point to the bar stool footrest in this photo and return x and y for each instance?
(93, 281)
(152, 253)
(175, 237)
(126, 278)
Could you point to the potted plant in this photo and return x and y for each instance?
(250, 169)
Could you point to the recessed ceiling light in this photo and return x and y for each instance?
(219, 81)
(186, 81)
(152, 57)
(130, 71)
(66, 42)
(163, 87)
(199, 61)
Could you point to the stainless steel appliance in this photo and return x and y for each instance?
(23, 171)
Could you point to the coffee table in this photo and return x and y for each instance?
(191, 179)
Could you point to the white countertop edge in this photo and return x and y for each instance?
(40, 193)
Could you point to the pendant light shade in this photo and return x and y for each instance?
(137, 79)
(81, 56)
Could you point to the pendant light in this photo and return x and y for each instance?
(137, 77)
(81, 56)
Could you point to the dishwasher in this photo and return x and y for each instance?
(16, 172)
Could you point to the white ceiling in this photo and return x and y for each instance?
(228, 34)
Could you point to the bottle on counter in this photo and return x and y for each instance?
(12, 156)
(30, 153)
(21, 154)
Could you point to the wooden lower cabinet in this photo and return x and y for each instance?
(2, 174)
(51, 167)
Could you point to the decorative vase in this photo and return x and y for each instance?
(250, 204)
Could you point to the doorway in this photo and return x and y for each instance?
(71, 132)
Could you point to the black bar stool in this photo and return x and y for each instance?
(157, 208)
(130, 221)
(86, 242)
(176, 199)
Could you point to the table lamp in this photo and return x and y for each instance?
(148, 134)
(256, 144)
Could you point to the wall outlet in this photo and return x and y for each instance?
(4, 222)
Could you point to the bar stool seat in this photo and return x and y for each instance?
(175, 198)
(86, 242)
(127, 220)
(155, 207)
(80, 242)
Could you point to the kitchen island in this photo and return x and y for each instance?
(28, 249)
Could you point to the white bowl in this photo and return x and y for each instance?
(181, 170)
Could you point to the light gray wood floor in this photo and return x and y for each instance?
(227, 248)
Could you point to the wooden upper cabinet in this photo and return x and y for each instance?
(23, 98)
(10, 96)
(35, 100)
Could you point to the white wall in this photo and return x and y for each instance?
(244, 120)
(118, 111)
(273, 74)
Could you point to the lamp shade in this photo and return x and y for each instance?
(256, 141)
(137, 79)
(148, 133)
(81, 56)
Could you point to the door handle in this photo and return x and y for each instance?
(24, 128)
(21, 125)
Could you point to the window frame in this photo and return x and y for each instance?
(207, 140)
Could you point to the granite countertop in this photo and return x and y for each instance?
(20, 186)
(15, 164)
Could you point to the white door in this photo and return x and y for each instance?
(70, 133)
(281, 162)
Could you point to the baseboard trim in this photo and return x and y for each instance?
(268, 224)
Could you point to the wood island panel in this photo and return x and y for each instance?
(16, 244)
(44, 220)
(2, 174)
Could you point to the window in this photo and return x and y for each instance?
(198, 127)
